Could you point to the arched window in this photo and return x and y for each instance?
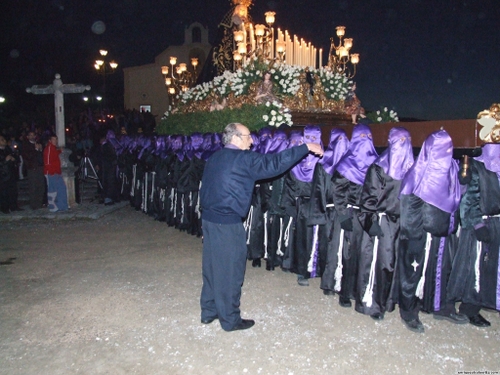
(196, 35)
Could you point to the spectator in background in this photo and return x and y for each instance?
(56, 188)
(33, 158)
(108, 163)
(8, 178)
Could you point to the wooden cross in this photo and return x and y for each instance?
(58, 89)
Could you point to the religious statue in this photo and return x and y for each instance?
(216, 106)
(265, 90)
(222, 52)
(319, 96)
(353, 106)
(304, 97)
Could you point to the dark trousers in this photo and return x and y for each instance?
(8, 195)
(37, 187)
(223, 267)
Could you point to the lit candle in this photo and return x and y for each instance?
(320, 57)
(271, 41)
(252, 37)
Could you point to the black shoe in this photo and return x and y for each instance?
(479, 321)
(302, 281)
(414, 325)
(16, 209)
(377, 316)
(269, 267)
(6, 211)
(453, 318)
(244, 324)
(345, 302)
(328, 292)
(109, 203)
(256, 263)
(207, 321)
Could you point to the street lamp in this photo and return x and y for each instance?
(104, 67)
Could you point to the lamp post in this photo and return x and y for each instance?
(104, 67)
(340, 57)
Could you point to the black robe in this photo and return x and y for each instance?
(419, 222)
(346, 197)
(322, 213)
(295, 201)
(479, 285)
(379, 202)
(188, 187)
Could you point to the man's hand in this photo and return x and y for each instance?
(315, 148)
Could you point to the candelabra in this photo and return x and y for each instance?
(340, 58)
(102, 68)
(255, 41)
(181, 78)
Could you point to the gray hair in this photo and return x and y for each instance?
(230, 130)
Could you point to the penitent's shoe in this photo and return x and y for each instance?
(244, 324)
(377, 316)
(453, 318)
(302, 281)
(479, 321)
(344, 302)
(328, 292)
(414, 325)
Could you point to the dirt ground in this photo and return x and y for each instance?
(120, 295)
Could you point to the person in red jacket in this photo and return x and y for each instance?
(57, 195)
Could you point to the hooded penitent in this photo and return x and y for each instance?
(433, 177)
(397, 158)
(490, 157)
(277, 143)
(337, 147)
(304, 170)
(361, 154)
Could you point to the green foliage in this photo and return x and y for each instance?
(187, 123)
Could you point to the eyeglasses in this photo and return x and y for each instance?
(244, 135)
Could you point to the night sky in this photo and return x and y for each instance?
(424, 59)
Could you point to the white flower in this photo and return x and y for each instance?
(379, 119)
(265, 117)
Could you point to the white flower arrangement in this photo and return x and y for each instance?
(277, 115)
(383, 115)
(336, 85)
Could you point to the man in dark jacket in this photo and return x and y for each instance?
(8, 178)
(33, 158)
(226, 192)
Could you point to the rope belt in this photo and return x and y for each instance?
(420, 287)
(368, 296)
